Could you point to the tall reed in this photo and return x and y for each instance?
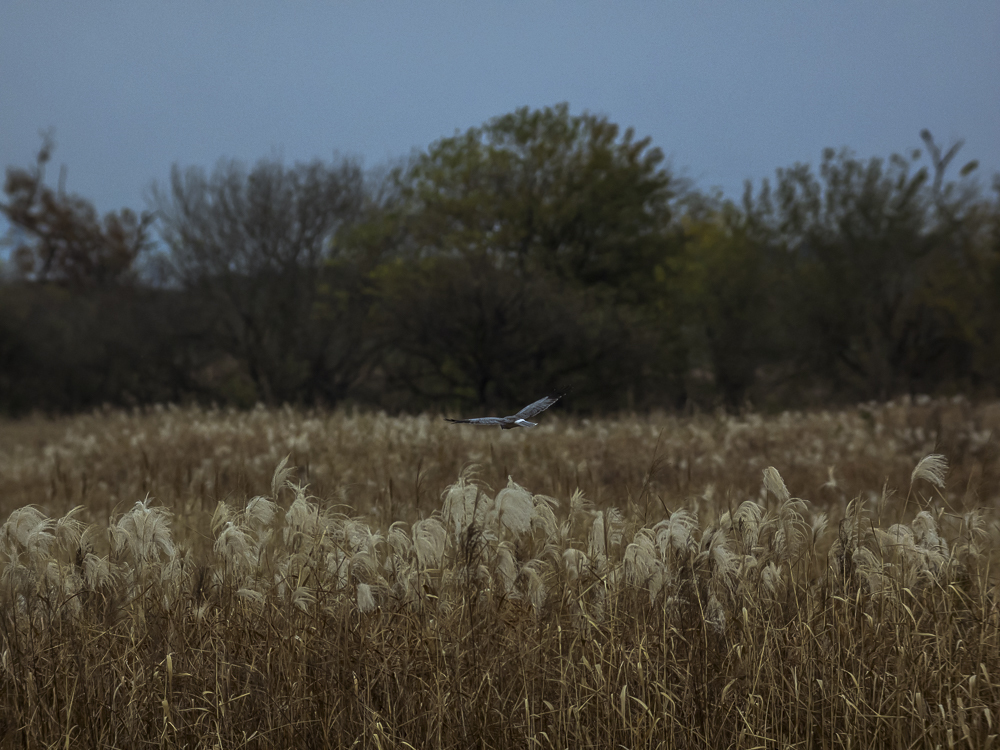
(507, 613)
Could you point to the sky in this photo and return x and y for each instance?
(728, 90)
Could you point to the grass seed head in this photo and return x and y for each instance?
(260, 512)
(365, 598)
(235, 549)
(144, 532)
(429, 538)
(514, 507)
(774, 484)
(29, 529)
(575, 563)
(932, 468)
(676, 533)
(640, 558)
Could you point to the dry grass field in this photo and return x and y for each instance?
(826, 579)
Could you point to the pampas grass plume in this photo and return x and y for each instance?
(774, 484)
(429, 537)
(932, 468)
(514, 508)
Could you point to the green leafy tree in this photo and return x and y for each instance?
(722, 299)
(460, 329)
(524, 253)
(546, 191)
(882, 269)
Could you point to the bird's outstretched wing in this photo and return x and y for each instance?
(480, 420)
(538, 407)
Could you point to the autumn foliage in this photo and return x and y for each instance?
(542, 249)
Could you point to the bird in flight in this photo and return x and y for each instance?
(517, 420)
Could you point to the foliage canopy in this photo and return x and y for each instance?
(543, 249)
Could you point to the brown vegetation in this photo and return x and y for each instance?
(636, 582)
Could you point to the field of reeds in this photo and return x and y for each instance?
(182, 577)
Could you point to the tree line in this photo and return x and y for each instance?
(541, 250)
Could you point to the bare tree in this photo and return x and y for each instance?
(260, 248)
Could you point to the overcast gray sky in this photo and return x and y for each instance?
(728, 90)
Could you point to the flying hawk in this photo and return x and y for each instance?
(518, 420)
